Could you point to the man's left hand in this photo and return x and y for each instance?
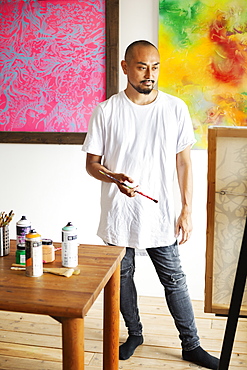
(184, 227)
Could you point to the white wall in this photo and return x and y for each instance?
(138, 21)
(49, 184)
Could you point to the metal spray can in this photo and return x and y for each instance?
(69, 246)
(23, 227)
(34, 258)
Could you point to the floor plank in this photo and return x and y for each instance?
(34, 341)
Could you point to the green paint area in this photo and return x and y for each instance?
(180, 18)
(244, 105)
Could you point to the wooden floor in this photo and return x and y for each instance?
(34, 341)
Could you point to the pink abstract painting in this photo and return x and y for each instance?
(52, 64)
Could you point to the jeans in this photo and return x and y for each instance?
(167, 264)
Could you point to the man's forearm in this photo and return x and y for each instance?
(94, 166)
(185, 179)
(186, 188)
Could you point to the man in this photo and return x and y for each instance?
(145, 135)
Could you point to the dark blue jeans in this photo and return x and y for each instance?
(167, 264)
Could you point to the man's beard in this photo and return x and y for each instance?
(141, 90)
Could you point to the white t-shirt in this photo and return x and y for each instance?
(141, 141)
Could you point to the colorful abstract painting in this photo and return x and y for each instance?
(52, 64)
(203, 46)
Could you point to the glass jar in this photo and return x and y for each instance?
(20, 254)
(48, 251)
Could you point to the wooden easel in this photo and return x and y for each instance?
(235, 304)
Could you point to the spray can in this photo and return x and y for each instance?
(23, 227)
(34, 259)
(69, 246)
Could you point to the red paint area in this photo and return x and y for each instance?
(230, 61)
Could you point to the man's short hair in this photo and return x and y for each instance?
(129, 51)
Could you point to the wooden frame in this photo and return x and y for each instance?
(112, 86)
(226, 214)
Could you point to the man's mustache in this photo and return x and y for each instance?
(148, 81)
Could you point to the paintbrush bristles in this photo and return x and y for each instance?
(62, 271)
(6, 218)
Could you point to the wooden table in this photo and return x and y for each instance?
(69, 299)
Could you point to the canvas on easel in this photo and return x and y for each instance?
(226, 214)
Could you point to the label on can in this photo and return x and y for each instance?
(21, 232)
(22, 259)
(34, 259)
(69, 246)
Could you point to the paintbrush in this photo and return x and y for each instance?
(62, 271)
(6, 218)
(127, 186)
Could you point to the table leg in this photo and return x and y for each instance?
(73, 343)
(111, 322)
